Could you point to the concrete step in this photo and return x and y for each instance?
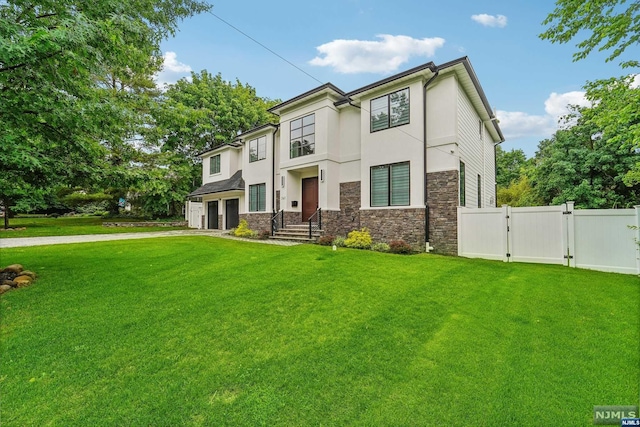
(293, 238)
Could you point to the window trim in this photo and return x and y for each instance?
(479, 191)
(257, 143)
(211, 164)
(300, 140)
(258, 200)
(388, 96)
(389, 184)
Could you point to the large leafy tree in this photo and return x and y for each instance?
(609, 25)
(509, 165)
(204, 111)
(580, 164)
(57, 58)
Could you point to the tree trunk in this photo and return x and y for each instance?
(5, 203)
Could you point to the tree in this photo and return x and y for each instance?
(608, 23)
(519, 193)
(509, 165)
(205, 112)
(56, 107)
(580, 164)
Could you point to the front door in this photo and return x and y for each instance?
(232, 213)
(212, 215)
(309, 197)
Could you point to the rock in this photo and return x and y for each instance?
(10, 283)
(13, 268)
(28, 273)
(5, 288)
(23, 281)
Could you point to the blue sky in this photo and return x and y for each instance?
(352, 43)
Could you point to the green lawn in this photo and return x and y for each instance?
(69, 226)
(206, 331)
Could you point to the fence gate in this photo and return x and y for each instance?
(599, 239)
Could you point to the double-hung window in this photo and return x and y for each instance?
(303, 136)
(214, 164)
(390, 185)
(258, 198)
(390, 110)
(258, 149)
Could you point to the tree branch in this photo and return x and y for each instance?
(24, 64)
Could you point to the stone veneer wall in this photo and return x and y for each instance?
(442, 190)
(339, 223)
(258, 221)
(395, 224)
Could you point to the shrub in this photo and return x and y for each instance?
(359, 239)
(326, 240)
(339, 241)
(400, 247)
(243, 229)
(381, 247)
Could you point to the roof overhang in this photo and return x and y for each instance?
(258, 130)
(326, 89)
(221, 147)
(235, 183)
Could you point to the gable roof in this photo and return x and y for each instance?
(236, 182)
(327, 88)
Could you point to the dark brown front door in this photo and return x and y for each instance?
(309, 197)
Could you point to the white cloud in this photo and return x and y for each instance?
(636, 81)
(490, 20)
(172, 69)
(382, 56)
(517, 124)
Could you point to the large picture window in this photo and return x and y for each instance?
(390, 110)
(258, 198)
(258, 149)
(303, 136)
(390, 185)
(214, 164)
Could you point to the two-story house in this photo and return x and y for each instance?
(397, 156)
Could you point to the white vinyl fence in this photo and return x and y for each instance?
(597, 239)
(193, 213)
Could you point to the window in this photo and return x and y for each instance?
(214, 164)
(479, 191)
(258, 149)
(258, 198)
(303, 138)
(390, 110)
(462, 195)
(390, 185)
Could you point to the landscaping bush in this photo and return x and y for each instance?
(326, 240)
(339, 241)
(243, 230)
(400, 247)
(380, 247)
(359, 239)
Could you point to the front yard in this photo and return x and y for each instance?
(206, 331)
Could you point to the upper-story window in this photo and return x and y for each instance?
(258, 149)
(303, 136)
(214, 164)
(390, 110)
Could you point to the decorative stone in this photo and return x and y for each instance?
(28, 273)
(13, 268)
(23, 281)
(4, 288)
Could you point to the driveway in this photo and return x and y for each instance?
(58, 240)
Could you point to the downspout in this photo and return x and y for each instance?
(273, 169)
(434, 69)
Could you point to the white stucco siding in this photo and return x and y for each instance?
(230, 162)
(398, 144)
(476, 151)
(442, 113)
(326, 127)
(259, 171)
(349, 136)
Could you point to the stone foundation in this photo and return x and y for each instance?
(442, 190)
(395, 224)
(258, 221)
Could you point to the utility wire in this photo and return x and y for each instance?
(314, 78)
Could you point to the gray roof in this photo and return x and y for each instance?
(234, 183)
